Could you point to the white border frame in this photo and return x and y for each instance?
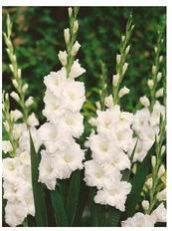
(169, 86)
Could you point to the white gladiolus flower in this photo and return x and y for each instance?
(6, 146)
(123, 91)
(145, 101)
(15, 96)
(29, 101)
(139, 220)
(75, 48)
(76, 70)
(161, 196)
(63, 57)
(100, 175)
(159, 214)
(115, 195)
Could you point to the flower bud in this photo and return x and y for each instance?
(162, 149)
(98, 105)
(159, 93)
(125, 66)
(75, 26)
(150, 83)
(109, 101)
(14, 81)
(115, 80)
(123, 92)
(154, 69)
(123, 38)
(127, 49)
(16, 114)
(63, 57)
(145, 204)
(32, 120)
(6, 126)
(70, 11)
(159, 76)
(15, 96)
(145, 101)
(11, 67)
(25, 87)
(75, 48)
(13, 57)
(161, 196)
(161, 59)
(6, 146)
(161, 171)
(29, 101)
(67, 35)
(149, 183)
(153, 161)
(19, 73)
(156, 49)
(118, 58)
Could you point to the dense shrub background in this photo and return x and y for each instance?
(38, 36)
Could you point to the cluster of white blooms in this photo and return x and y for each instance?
(17, 181)
(146, 127)
(109, 149)
(146, 220)
(63, 100)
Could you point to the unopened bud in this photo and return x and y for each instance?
(25, 87)
(149, 183)
(145, 204)
(70, 11)
(123, 92)
(153, 69)
(15, 96)
(123, 38)
(14, 81)
(19, 73)
(67, 35)
(127, 49)
(159, 93)
(115, 79)
(150, 83)
(75, 27)
(118, 58)
(29, 101)
(156, 49)
(63, 57)
(153, 161)
(11, 67)
(6, 126)
(161, 59)
(159, 76)
(145, 101)
(75, 48)
(125, 66)
(162, 149)
(161, 171)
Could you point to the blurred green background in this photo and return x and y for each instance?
(38, 36)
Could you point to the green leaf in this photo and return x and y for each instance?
(59, 208)
(73, 196)
(113, 217)
(38, 192)
(137, 185)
